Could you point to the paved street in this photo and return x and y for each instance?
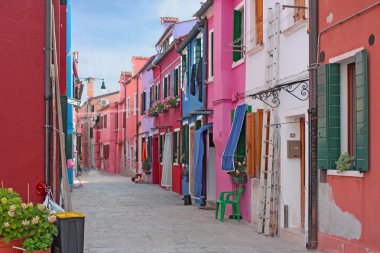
(142, 218)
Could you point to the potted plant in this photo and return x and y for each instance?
(152, 112)
(239, 175)
(147, 169)
(172, 102)
(344, 162)
(32, 224)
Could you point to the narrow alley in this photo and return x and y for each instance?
(122, 216)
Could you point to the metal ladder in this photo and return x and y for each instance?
(273, 39)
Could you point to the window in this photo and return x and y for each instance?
(124, 119)
(91, 132)
(343, 112)
(184, 69)
(157, 95)
(299, 13)
(198, 50)
(257, 22)
(143, 102)
(135, 107)
(176, 146)
(238, 37)
(116, 121)
(211, 54)
(105, 121)
(151, 96)
(106, 151)
(166, 86)
(92, 108)
(101, 122)
(175, 81)
(128, 107)
(161, 153)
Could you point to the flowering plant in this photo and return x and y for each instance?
(171, 102)
(239, 175)
(34, 223)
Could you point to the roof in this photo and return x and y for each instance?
(161, 56)
(106, 95)
(203, 8)
(147, 66)
(167, 30)
(141, 57)
(190, 36)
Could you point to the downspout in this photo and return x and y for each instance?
(312, 236)
(137, 120)
(48, 48)
(125, 125)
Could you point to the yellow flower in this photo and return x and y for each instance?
(24, 206)
(52, 219)
(41, 207)
(4, 200)
(11, 214)
(35, 220)
(6, 224)
(30, 204)
(25, 223)
(10, 190)
(12, 208)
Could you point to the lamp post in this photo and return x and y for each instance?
(103, 87)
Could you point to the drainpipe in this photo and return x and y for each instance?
(137, 120)
(125, 126)
(312, 236)
(48, 47)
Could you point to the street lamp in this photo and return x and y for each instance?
(103, 87)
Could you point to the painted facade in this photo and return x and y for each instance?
(166, 74)
(27, 94)
(348, 202)
(288, 111)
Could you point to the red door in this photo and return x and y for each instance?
(156, 164)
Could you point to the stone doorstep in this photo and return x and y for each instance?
(294, 235)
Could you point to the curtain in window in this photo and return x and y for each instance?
(166, 179)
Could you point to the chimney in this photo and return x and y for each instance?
(90, 87)
(124, 77)
(167, 21)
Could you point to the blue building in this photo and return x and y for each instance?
(193, 50)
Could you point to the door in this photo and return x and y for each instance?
(155, 164)
(211, 178)
(191, 159)
(302, 139)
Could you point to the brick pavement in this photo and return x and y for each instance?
(142, 218)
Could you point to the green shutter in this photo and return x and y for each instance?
(165, 87)
(237, 55)
(240, 151)
(184, 69)
(361, 111)
(185, 141)
(328, 115)
(149, 148)
(198, 50)
(174, 145)
(157, 91)
(198, 124)
(176, 82)
(173, 83)
(168, 86)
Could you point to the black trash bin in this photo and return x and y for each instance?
(70, 237)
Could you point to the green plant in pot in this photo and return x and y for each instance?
(32, 223)
(239, 175)
(147, 166)
(344, 162)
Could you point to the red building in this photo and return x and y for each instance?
(131, 106)
(166, 86)
(348, 86)
(26, 149)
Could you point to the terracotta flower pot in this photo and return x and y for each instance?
(8, 247)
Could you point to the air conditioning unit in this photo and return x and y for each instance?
(104, 102)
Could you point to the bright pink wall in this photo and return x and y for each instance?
(358, 196)
(227, 81)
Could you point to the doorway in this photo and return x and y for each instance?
(211, 177)
(191, 159)
(155, 164)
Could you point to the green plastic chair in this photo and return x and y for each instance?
(225, 198)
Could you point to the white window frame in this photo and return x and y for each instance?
(211, 59)
(178, 146)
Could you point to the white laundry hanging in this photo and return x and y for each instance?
(166, 179)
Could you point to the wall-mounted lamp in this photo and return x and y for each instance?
(103, 87)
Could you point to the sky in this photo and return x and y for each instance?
(107, 33)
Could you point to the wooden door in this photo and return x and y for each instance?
(191, 159)
(155, 164)
(302, 139)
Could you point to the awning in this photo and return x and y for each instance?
(199, 174)
(228, 154)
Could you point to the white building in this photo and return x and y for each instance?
(276, 46)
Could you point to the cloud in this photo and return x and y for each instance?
(183, 9)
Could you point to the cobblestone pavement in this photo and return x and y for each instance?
(142, 218)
